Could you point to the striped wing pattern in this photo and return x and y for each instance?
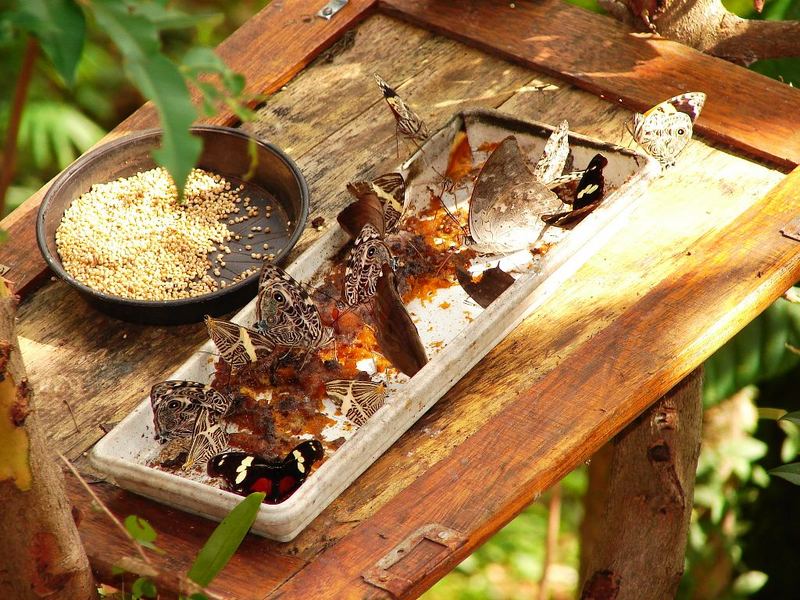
(358, 400)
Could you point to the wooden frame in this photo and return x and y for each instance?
(722, 305)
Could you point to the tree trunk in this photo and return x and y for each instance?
(708, 26)
(639, 501)
(41, 555)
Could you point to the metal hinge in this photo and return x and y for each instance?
(397, 585)
(331, 8)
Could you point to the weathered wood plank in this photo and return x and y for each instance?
(567, 414)
(636, 71)
(269, 49)
(252, 572)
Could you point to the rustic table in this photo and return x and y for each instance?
(698, 258)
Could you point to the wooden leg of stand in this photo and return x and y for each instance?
(639, 501)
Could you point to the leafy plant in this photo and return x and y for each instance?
(134, 27)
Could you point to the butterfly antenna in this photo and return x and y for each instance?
(441, 266)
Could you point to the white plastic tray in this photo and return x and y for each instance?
(454, 342)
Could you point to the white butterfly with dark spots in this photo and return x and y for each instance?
(666, 129)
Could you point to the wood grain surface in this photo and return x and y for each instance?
(698, 257)
(269, 49)
(750, 112)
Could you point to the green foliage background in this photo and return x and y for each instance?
(741, 534)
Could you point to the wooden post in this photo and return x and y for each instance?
(41, 555)
(639, 501)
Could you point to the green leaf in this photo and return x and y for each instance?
(143, 588)
(135, 36)
(203, 60)
(60, 27)
(160, 81)
(792, 417)
(749, 583)
(141, 531)
(225, 540)
(790, 472)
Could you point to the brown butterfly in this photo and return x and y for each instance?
(407, 122)
(238, 345)
(390, 189)
(177, 404)
(367, 209)
(364, 267)
(358, 400)
(285, 313)
(395, 331)
(507, 202)
(489, 285)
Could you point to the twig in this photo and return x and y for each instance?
(9, 160)
(551, 546)
(105, 509)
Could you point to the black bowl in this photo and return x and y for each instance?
(275, 180)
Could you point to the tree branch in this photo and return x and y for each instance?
(745, 41)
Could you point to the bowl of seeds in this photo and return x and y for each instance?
(113, 226)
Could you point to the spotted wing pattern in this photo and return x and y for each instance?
(409, 122)
(237, 345)
(358, 400)
(588, 195)
(277, 478)
(665, 130)
(285, 313)
(554, 157)
(367, 257)
(177, 404)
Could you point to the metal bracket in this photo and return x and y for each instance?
(331, 8)
(792, 230)
(397, 585)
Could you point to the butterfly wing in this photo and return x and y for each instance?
(592, 184)
(367, 209)
(490, 284)
(663, 135)
(358, 400)
(364, 266)
(409, 122)
(689, 103)
(391, 189)
(285, 313)
(176, 404)
(395, 331)
(554, 156)
(237, 345)
(247, 473)
(507, 201)
(208, 438)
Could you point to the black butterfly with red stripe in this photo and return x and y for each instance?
(278, 478)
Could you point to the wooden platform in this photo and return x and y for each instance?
(699, 257)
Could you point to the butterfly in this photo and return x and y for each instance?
(407, 122)
(554, 156)
(507, 202)
(285, 313)
(390, 189)
(208, 438)
(364, 267)
(177, 404)
(238, 345)
(665, 130)
(278, 478)
(487, 286)
(396, 333)
(358, 400)
(588, 195)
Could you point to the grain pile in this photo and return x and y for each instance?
(132, 238)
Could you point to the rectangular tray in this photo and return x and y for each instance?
(454, 347)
